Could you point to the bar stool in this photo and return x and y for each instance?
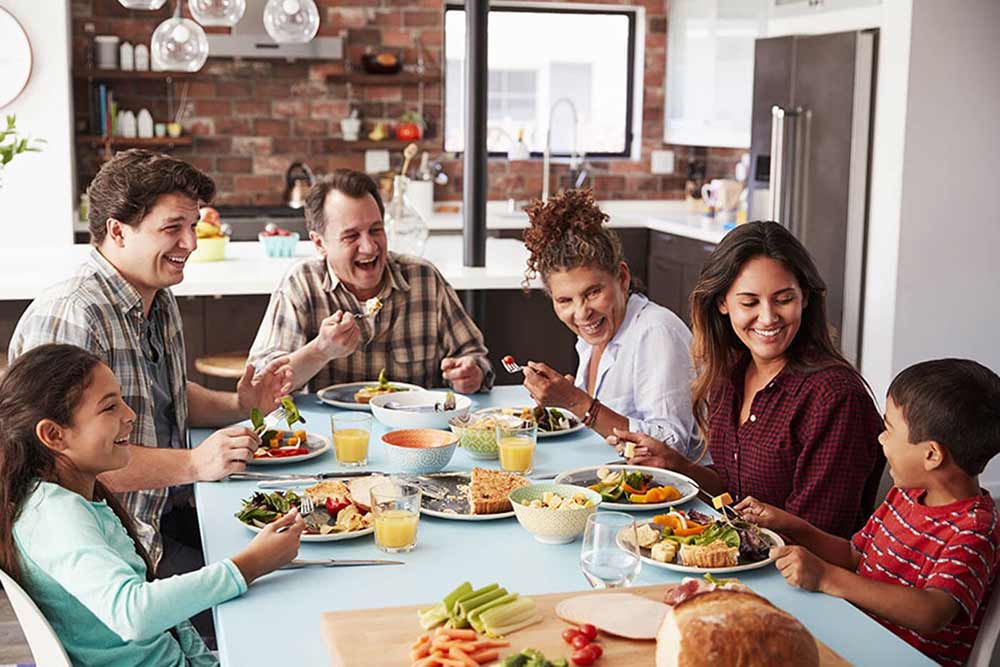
(229, 365)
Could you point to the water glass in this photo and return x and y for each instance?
(609, 557)
(516, 445)
(396, 507)
(351, 432)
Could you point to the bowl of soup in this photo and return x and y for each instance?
(419, 450)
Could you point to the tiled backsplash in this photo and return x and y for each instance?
(252, 119)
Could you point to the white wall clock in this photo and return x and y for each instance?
(15, 58)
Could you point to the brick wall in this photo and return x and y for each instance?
(250, 120)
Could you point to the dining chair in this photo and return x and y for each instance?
(989, 632)
(45, 646)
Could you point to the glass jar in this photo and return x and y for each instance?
(406, 230)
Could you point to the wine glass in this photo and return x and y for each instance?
(609, 557)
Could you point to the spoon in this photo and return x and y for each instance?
(409, 153)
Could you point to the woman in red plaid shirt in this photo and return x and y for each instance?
(784, 417)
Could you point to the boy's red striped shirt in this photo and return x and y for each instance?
(952, 548)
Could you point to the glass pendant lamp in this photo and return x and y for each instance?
(179, 44)
(142, 4)
(226, 13)
(291, 21)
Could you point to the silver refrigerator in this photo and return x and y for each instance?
(810, 154)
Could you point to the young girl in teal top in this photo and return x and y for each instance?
(70, 544)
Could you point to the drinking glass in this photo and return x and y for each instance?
(351, 432)
(517, 447)
(396, 506)
(609, 557)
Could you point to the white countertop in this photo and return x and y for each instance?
(247, 270)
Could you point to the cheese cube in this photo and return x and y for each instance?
(629, 450)
(719, 501)
(664, 551)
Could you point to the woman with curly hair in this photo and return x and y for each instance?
(635, 366)
(783, 414)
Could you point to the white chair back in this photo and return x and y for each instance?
(45, 646)
(989, 631)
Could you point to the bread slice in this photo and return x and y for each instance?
(715, 554)
(327, 489)
(488, 490)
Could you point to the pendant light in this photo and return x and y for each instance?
(179, 44)
(291, 21)
(142, 4)
(226, 13)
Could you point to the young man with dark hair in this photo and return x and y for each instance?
(421, 334)
(143, 209)
(925, 562)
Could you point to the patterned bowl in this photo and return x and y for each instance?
(480, 443)
(551, 526)
(279, 246)
(419, 450)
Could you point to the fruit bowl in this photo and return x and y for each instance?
(553, 526)
(419, 450)
(279, 246)
(211, 249)
(479, 443)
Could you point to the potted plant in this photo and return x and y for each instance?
(411, 126)
(15, 146)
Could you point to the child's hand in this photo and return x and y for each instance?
(766, 515)
(271, 549)
(800, 567)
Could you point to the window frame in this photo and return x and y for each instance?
(632, 15)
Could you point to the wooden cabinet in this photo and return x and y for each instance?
(674, 266)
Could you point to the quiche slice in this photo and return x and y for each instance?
(488, 490)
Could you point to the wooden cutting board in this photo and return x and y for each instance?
(382, 637)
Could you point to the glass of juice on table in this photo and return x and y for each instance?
(517, 446)
(609, 557)
(396, 506)
(350, 437)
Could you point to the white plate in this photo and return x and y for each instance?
(773, 536)
(316, 444)
(342, 395)
(330, 537)
(455, 516)
(587, 476)
(541, 434)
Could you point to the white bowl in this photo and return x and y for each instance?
(403, 418)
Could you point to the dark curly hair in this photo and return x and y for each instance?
(568, 232)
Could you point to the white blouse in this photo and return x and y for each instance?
(645, 374)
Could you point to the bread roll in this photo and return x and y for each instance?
(726, 627)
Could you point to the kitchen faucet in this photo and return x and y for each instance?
(548, 148)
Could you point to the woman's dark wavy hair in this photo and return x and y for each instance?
(46, 382)
(715, 347)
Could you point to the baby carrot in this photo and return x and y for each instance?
(485, 655)
(455, 633)
(462, 657)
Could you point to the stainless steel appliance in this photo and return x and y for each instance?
(810, 149)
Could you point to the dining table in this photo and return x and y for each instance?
(277, 622)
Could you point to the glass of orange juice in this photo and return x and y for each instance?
(396, 506)
(351, 432)
(517, 446)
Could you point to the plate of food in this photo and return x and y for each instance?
(625, 487)
(481, 495)
(696, 543)
(552, 422)
(339, 515)
(288, 447)
(356, 395)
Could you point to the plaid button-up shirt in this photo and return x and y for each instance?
(98, 310)
(421, 322)
(810, 445)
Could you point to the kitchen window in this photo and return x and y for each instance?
(540, 55)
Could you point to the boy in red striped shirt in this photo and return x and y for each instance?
(924, 563)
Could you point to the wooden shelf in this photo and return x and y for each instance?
(387, 144)
(117, 75)
(400, 79)
(127, 142)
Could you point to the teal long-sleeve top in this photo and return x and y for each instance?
(81, 569)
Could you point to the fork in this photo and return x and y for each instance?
(272, 419)
(510, 366)
(306, 507)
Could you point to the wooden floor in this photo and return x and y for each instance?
(13, 648)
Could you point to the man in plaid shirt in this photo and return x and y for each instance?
(421, 334)
(143, 210)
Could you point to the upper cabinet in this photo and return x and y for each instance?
(780, 9)
(710, 46)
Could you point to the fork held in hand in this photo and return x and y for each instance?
(510, 366)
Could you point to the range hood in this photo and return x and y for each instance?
(249, 39)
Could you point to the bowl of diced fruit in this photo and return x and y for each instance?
(554, 513)
(278, 242)
(212, 237)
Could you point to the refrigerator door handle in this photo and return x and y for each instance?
(777, 161)
(789, 159)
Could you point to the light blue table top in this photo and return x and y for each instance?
(278, 621)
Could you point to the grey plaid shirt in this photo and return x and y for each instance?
(421, 322)
(98, 310)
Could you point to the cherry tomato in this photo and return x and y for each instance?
(508, 359)
(588, 631)
(569, 634)
(583, 656)
(596, 650)
(580, 641)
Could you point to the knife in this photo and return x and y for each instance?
(332, 562)
(265, 477)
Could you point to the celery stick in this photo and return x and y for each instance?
(450, 599)
(468, 606)
(471, 595)
(497, 629)
(432, 617)
(475, 615)
(499, 615)
(496, 633)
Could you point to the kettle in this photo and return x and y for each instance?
(298, 179)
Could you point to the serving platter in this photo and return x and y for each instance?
(316, 444)
(686, 486)
(454, 505)
(342, 395)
